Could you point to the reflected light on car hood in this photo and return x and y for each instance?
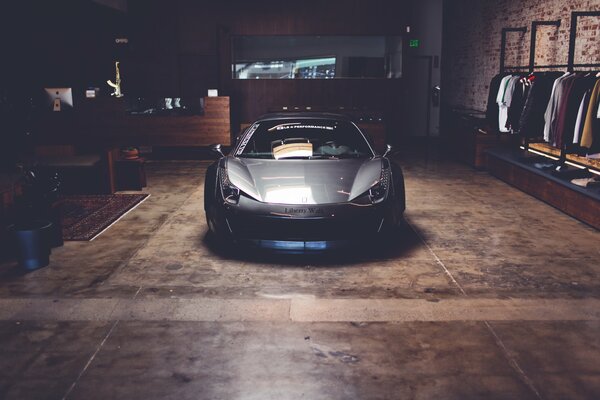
(303, 181)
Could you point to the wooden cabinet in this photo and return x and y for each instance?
(130, 174)
(10, 190)
(470, 138)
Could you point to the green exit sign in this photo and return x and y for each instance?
(414, 43)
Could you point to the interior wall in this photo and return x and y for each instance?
(472, 36)
(180, 48)
(120, 5)
(305, 46)
(59, 43)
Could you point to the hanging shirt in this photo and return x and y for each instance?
(515, 109)
(491, 112)
(500, 99)
(504, 99)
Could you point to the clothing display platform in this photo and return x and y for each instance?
(537, 175)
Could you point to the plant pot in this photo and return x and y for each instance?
(32, 243)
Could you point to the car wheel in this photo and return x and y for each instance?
(214, 230)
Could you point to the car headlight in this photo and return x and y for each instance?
(230, 192)
(378, 192)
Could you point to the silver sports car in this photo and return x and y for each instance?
(302, 182)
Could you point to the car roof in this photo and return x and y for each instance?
(303, 115)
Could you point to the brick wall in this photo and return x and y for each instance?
(472, 35)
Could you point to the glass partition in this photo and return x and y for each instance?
(316, 57)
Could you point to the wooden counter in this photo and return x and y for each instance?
(104, 121)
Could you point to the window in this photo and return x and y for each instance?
(316, 57)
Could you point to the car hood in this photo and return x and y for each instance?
(304, 181)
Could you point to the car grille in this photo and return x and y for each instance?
(303, 229)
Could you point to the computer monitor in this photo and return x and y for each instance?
(59, 98)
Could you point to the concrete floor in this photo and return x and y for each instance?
(486, 293)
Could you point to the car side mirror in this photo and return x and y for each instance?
(216, 149)
(388, 149)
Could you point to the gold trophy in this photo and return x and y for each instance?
(117, 84)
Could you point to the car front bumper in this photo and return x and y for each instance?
(300, 227)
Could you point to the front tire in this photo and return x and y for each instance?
(216, 228)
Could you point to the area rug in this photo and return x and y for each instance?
(86, 217)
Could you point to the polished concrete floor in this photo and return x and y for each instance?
(486, 293)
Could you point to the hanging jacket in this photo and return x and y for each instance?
(559, 126)
(504, 100)
(581, 85)
(531, 123)
(591, 122)
(549, 115)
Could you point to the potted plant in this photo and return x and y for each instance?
(130, 153)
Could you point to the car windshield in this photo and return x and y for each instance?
(303, 139)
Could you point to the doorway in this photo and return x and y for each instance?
(421, 121)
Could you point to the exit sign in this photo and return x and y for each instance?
(414, 43)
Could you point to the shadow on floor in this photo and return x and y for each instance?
(396, 244)
(11, 270)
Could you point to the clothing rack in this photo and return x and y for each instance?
(575, 15)
(532, 47)
(505, 31)
(570, 66)
(532, 51)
